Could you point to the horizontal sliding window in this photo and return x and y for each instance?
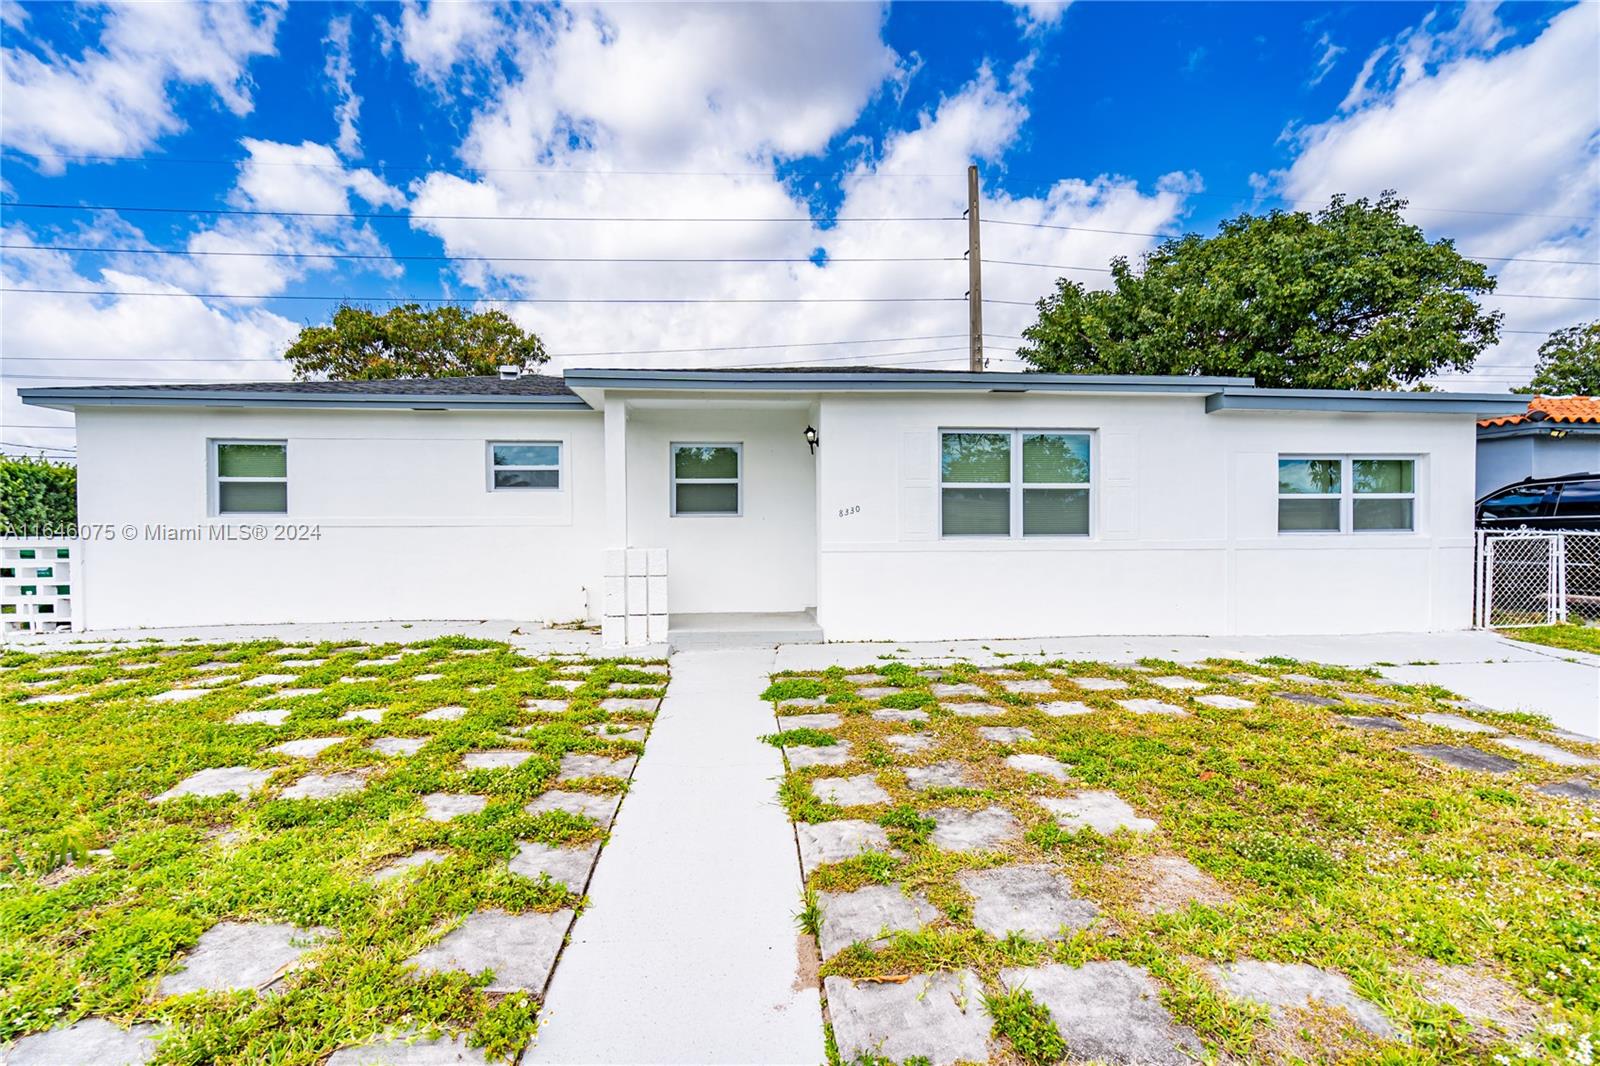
(1003, 483)
(251, 477)
(524, 464)
(1339, 494)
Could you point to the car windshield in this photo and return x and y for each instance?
(1522, 502)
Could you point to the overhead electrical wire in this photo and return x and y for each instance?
(488, 258)
(407, 215)
(770, 172)
(512, 299)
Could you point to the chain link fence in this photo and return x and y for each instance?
(1537, 577)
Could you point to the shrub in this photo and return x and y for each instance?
(37, 495)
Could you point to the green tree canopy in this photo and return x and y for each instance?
(1352, 297)
(407, 341)
(1569, 363)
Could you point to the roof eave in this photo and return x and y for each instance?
(68, 399)
(909, 381)
(1349, 401)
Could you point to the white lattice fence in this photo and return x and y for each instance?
(36, 583)
(1535, 578)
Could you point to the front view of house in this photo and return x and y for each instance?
(885, 504)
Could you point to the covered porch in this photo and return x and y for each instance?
(710, 519)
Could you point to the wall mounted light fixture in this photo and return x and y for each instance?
(812, 438)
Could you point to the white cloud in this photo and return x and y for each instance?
(646, 90)
(1036, 16)
(50, 339)
(1497, 149)
(341, 74)
(1330, 55)
(117, 99)
(439, 37)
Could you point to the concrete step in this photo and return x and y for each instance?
(741, 630)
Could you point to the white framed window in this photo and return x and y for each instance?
(524, 464)
(707, 478)
(1346, 493)
(249, 477)
(1015, 483)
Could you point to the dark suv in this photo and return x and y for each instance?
(1571, 501)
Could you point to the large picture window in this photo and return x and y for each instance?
(250, 476)
(524, 465)
(1007, 483)
(1343, 493)
(706, 479)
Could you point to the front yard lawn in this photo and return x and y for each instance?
(1570, 637)
(265, 852)
(1246, 861)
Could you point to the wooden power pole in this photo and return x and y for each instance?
(974, 276)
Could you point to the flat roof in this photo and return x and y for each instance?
(547, 392)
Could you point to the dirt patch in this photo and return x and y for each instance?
(1482, 998)
(807, 963)
(1162, 884)
(1314, 1033)
(64, 875)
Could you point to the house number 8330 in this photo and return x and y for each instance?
(846, 512)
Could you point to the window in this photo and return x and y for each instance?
(1525, 502)
(1579, 499)
(705, 479)
(1337, 494)
(252, 476)
(1002, 483)
(524, 465)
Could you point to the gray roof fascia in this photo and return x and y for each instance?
(68, 398)
(1483, 405)
(824, 381)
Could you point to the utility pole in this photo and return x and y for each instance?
(974, 276)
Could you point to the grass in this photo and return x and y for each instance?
(1318, 842)
(102, 892)
(1570, 637)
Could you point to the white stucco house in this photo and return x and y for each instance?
(859, 503)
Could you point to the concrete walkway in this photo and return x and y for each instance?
(689, 952)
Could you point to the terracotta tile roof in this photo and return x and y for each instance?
(1553, 409)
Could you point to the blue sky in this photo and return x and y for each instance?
(1142, 118)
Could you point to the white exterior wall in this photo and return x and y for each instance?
(764, 559)
(409, 528)
(1184, 517)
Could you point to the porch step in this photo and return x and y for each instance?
(742, 630)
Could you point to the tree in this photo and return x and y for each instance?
(1351, 298)
(37, 496)
(408, 341)
(1569, 363)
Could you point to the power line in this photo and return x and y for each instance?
(516, 299)
(35, 447)
(552, 355)
(771, 172)
(1485, 296)
(408, 216)
(488, 258)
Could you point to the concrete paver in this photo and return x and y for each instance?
(939, 1018)
(521, 949)
(1108, 1012)
(238, 955)
(88, 1040)
(1284, 985)
(957, 829)
(1104, 812)
(1034, 901)
(868, 914)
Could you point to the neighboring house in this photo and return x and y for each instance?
(1555, 435)
(931, 505)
